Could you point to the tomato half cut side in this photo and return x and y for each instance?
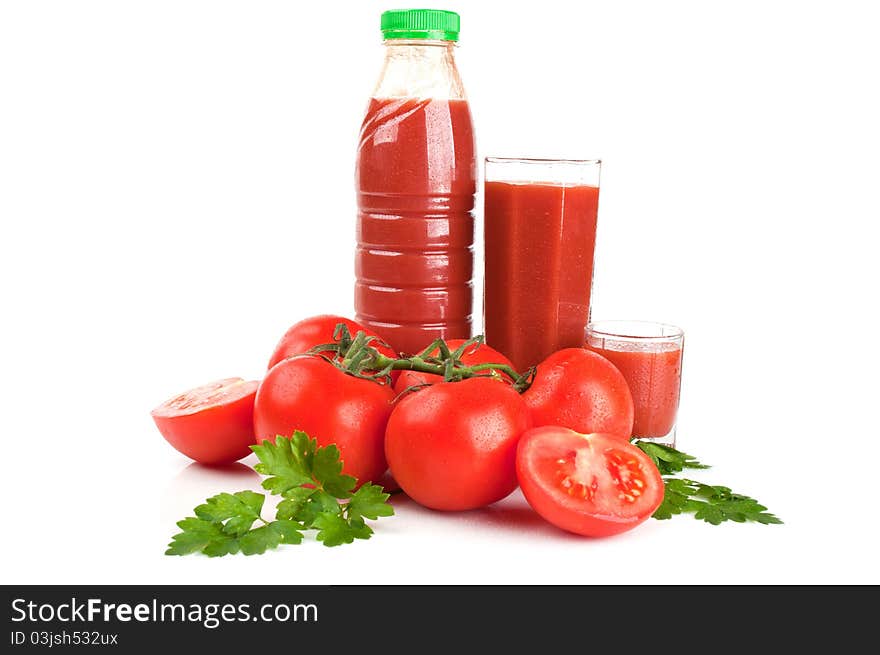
(590, 484)
(213, 423)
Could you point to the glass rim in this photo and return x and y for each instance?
(538, 160)
(606, 329)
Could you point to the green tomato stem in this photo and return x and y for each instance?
(381, 362)
(358, 357)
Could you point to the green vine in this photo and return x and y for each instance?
(357, 355)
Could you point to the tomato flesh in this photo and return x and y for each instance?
(213, 423)
(594, 485)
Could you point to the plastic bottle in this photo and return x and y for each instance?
(415, 181)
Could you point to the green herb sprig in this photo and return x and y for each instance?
(311, 484)
(712, 504)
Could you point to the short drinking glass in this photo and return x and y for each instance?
(649, 357)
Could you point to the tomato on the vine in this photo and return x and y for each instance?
(452, 446)
(309, 393)
(213, 423)
(581, 390)
(315, 331)
(590, 484)
(475, 354)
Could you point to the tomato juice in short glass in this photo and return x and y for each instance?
(540, 234)
(649, 356)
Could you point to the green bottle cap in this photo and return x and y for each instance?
(435, 24)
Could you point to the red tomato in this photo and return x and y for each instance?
(478, 354)
(310, 394)
(590, 484)
(452, 446)
(212, 424)
(317, 330)
(578, 389)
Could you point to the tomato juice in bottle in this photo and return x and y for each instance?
(415, 179)
(540, 234)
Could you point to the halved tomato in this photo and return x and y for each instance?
(212, 424)
(590, 484)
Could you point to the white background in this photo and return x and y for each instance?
(176, 189)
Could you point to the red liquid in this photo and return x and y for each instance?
(539, 268)
(415, 181)
(654, 378)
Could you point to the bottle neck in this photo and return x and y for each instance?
(426, 43)
(419, 68)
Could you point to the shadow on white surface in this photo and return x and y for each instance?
(195, 482)
(512, 515)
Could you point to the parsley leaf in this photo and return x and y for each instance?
(715, 504)
(287, 462)
(712, 504)
(239, 510)
(327, 471)
(336, 530)
(294, 502)
(311, 484)
(675, 498)
(197, 535)
(318, 503)
(306, 505)
(256, 542)
(369, 502)
(667, 459)
(293, 462)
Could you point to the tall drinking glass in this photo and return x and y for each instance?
(540, 234)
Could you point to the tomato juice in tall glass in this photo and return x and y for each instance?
(649, 356)
(540, 235)
(416, 181)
